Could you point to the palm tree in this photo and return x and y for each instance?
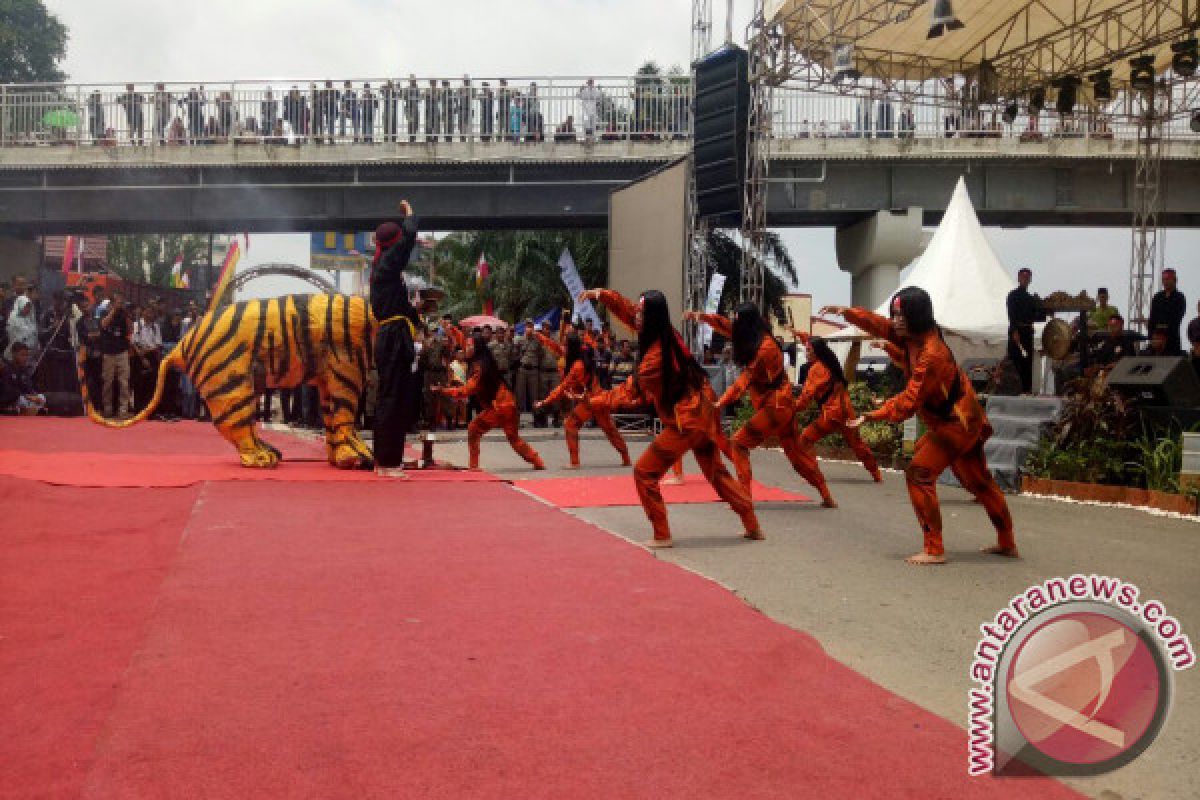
(725, 256)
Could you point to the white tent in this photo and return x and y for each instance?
(966, 282)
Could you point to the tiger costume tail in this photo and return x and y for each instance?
(172, 360)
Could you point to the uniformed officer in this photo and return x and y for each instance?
(529, 353)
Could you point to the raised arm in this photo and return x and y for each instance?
(871, 323)
(618, 305)
(553, 345)
(815, 385)
(574, 383)
(466, 390)
(905, 404)
(718, 322)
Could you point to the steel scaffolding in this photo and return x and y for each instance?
(1146, 254)
(758, 152)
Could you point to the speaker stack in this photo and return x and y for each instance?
(722, 111)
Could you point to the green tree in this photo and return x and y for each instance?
(523, 277)
(133, 256)
(725, 257)
(32, 43)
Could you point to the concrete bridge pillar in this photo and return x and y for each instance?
(875, 250)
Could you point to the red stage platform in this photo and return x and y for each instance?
(367, 638)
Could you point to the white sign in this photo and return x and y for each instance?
(570, 278)
(713, 302)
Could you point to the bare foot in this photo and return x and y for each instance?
(997, 550)
(625, 462)
(757, 536)
(474, 469)
(829, 502)
(539, 465)
(925, 559)
(877, 476)
(673, 481)
(658, 544)
(391, 472)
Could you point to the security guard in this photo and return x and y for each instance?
(432, 363)
(550, 377)
(529, 353)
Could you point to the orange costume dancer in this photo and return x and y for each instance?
(956, 427)
(667, 374)
(497, 401)
(765, 377)
(626, 397)
(826, 386)
(580, 384)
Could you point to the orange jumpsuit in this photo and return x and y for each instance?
(575, 384)
(774, 411)
(956, 428)
(500, 413)
(835, 409)
(626, 397)
(693, 424)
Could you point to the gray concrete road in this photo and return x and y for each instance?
(840, 576)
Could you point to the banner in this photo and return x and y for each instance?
(711, 304)
(575, 287)
(68, 260)
(334, 251)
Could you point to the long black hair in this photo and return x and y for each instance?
(680, 372)
(916, 306)
(826, 357)
(576, 351)
(490, 377)
(749, 328)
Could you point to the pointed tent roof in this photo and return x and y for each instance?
(962, 274)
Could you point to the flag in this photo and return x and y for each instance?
(227, 271)
(68, 254)
(570, 278)
(481, 273)
(177, 272)
(79, 254)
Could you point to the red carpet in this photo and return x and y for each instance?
(56, 435)
(619, 490)
(389, 640)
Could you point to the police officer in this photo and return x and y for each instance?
(549, 379)
(529, 355)
(432, 363)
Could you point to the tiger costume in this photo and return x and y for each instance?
(235, 352)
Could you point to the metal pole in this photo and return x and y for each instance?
(729, 22)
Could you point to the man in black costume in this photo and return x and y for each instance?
(399, 392)
(1024, 309)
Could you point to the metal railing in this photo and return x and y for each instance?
(497, 110)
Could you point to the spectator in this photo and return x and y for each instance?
(193, 103)
(1024, 309)
(1193, 328)
(589, 103)
(96, 126)
(1103, 312)
(466, 100)
(163, 104)
(458, 377)
(1159, 344)
(487, 110)
(412, 108)
(449, 106)
(623, 363)
(433, 112)
(115, 330)
(1194, 341)
(533, 114)
(603, 358)
(56, 372)
(565, 132)
(516, 117)
(327, 102)
(225, 116)
(268, 112)
(22, 326)
(147, 349)
(132, 102)
(368, 105)
(349, 111)
(504, 97)
(1167, 310)
(17, 393)
(391, 100)
(1116, 344)
(18, 288)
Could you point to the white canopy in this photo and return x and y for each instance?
(964, 279)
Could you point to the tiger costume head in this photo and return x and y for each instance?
(234, 352)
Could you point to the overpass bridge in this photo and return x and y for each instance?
(179, 158)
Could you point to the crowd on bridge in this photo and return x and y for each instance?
(409, 111)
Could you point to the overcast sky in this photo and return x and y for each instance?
(215, 40)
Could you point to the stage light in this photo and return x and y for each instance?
(843, 64)
(1037, 100)
(943, 19)
(1102, 85)
(1141, 73)
(1068, 92)
(1183, 63)
(1010, 113)
(1195, 123)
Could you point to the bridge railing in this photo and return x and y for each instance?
(514, 110)
(527, 110)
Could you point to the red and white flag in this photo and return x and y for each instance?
(68, 261)
(481, 273)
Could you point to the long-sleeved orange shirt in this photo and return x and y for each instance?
(933, 376)
(504, 395)
(574, 384)
(765, 377)
(833, 396)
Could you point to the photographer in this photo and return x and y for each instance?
(115, 331)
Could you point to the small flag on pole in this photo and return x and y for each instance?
(68, 260)
(227, 271)
(481, 273)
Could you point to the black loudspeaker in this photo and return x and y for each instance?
(1157, 380)
(719, 146)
